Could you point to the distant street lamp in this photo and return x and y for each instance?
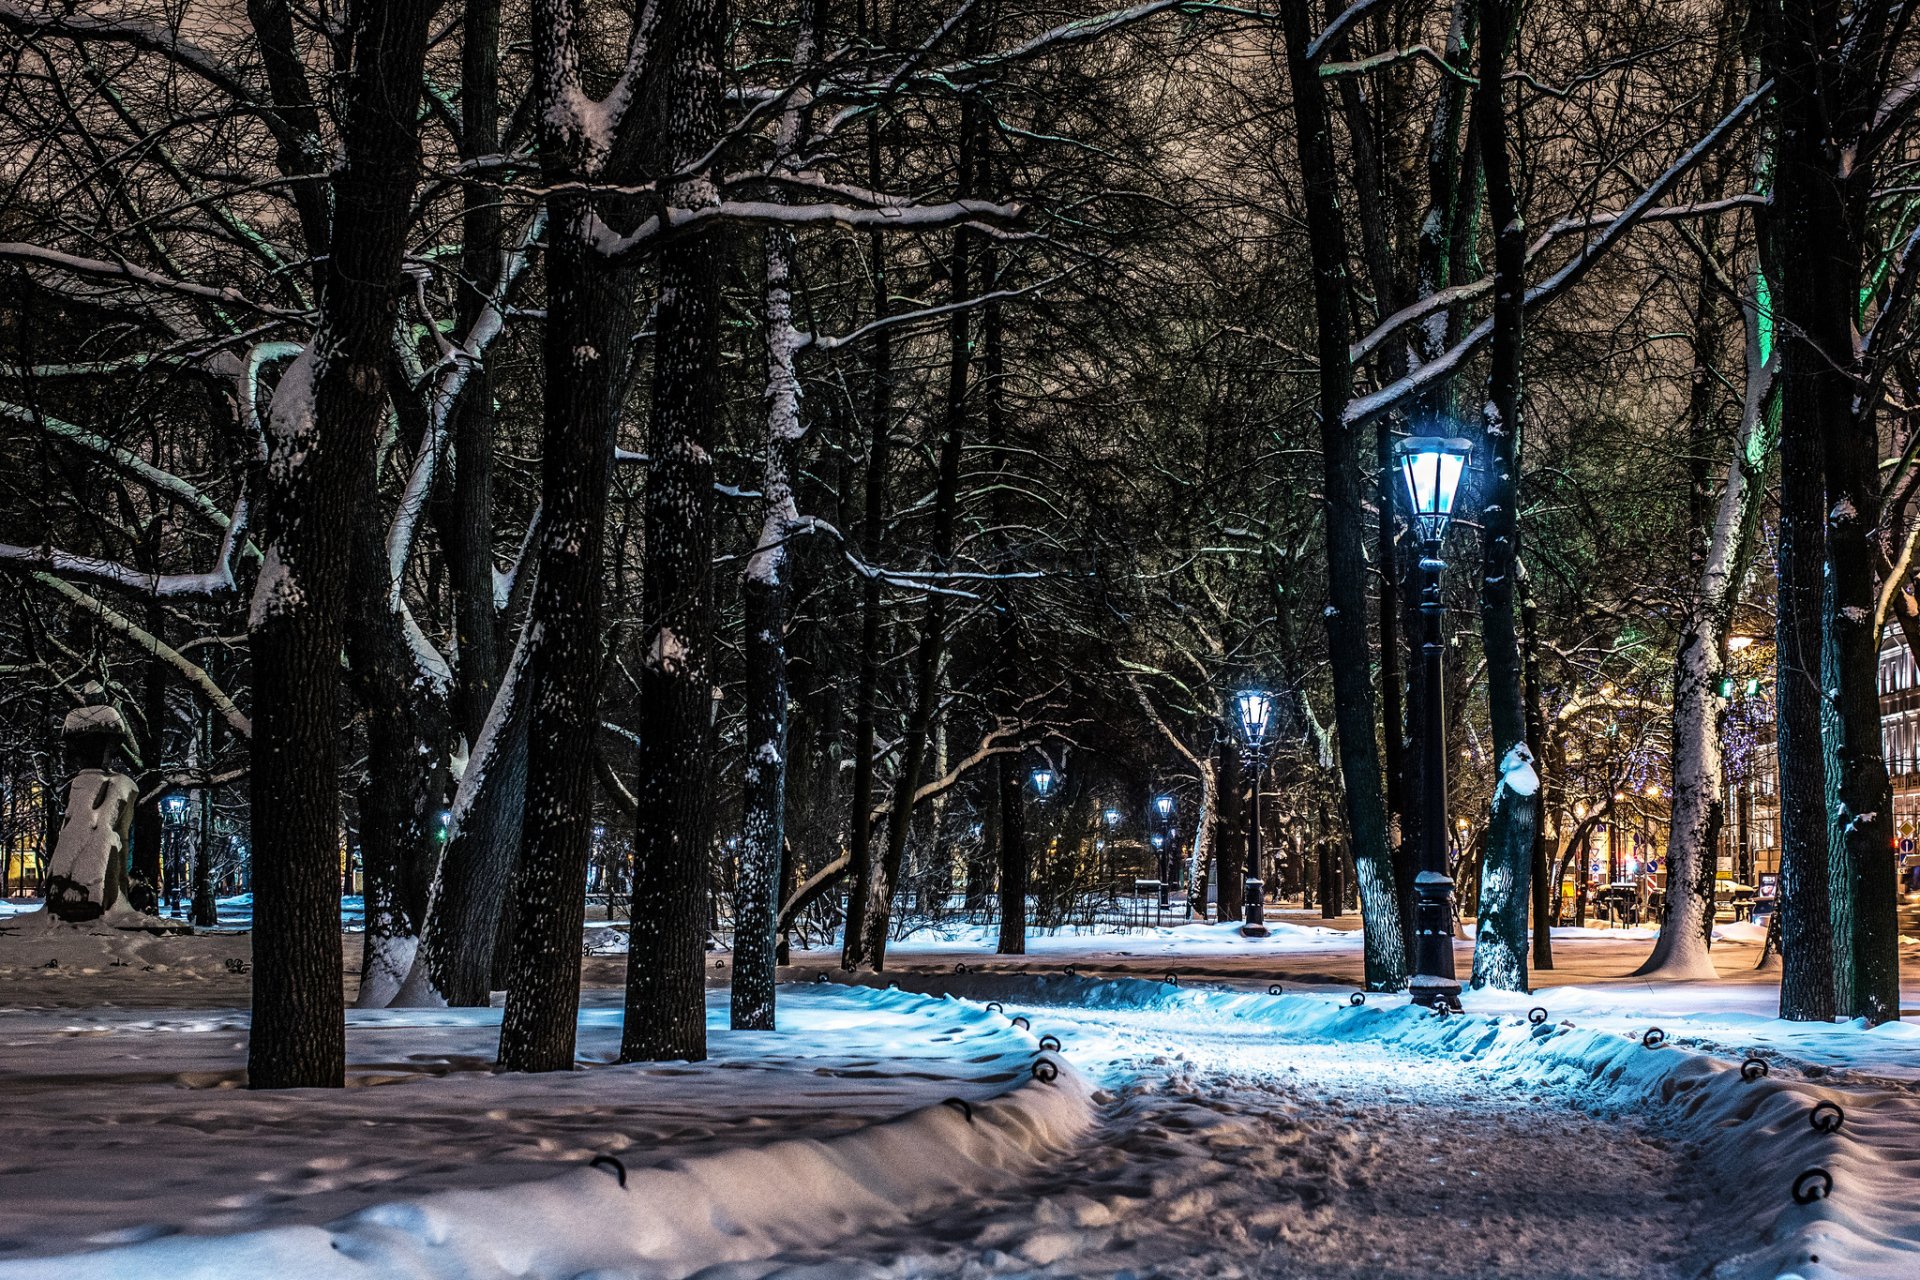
(1163, 843)
(1043, 781)
(1432, 466)
(1254, 709)
(1113, 817)
(174, 806)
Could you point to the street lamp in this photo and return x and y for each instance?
(1254, 708)
(1431, 467)
(1163, 809)
(174, 807)
(1043, 780)
(1113, 817)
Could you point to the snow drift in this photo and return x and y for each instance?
(652, 1223)
(1757, 1133)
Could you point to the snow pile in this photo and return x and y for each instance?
(1755, 1138)
(671, 1218)
(1200, 938)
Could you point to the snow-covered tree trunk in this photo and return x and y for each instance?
(1698, 812)
(323, 425)
(1346, 615)
(456, 958)
(764, 597)
(406, 720)
(1500, 945)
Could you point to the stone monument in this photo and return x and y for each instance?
(87, 876)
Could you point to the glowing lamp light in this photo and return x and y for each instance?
(1159, 841)
(1163, 805)
(1254, 708)
(1736, 643)
(1113, 817)
(175, 803)
(1043, 781)
(1653, 791)
(1431, 467)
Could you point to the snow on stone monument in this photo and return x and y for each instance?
(87, 876)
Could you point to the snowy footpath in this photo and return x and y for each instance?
(972, 1125)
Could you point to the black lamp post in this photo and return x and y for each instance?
(175, 808)
(1163, 843)
(1254, 712)
(1431, 467)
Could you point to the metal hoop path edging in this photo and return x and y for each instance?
(1050, 1044)
(1537, 1015)
(1357, 999)
(961, 1105)
(1172, 979)
(994, 1006)
(1070, 972)
(612, 1165)
(1753, 1068)
(959, 966)
(1021, 1022)
(1046, 1071)
(1654, 1038)
(1814, 1184)
(1274, 989)
(1826, 1116)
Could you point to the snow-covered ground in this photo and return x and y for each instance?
(1204, 1128)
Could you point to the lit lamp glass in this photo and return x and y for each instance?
(1431, 466)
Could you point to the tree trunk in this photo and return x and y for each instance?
(1803, 213)
(1346, 615)
(1500, 945)
(666, 984)
(1230, 825)
(458, 947)
(764, 596)
(467, 530)
(323, 425)
(1014, 858)
(584, 352)
(927, 657)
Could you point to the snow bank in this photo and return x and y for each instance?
(668, 1220)
(1756, 1135)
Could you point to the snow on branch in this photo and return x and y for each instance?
(1450, 362)
(150, 643)
(672, 223)
(833, 342)
(215, 582)
(449, 380)
(1338, 28)
(123, 460)
(135, 33)
(58, 260)
(1415, 312)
